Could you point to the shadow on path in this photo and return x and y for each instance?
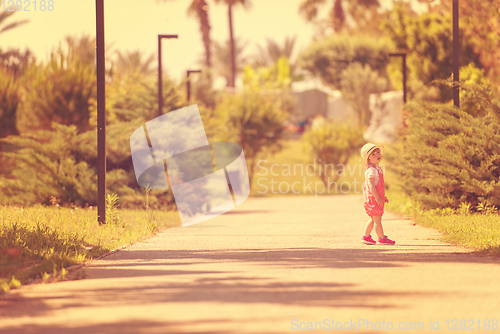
(366, 257)
(124, 327)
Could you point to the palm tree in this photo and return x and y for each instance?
(363, 13)
(367, 17)
(230, 3)
(309, 8)
(200, 9)
(273, 51)
(222, 58)
(133, 62)
(82, 47)
(3, 16)
(269, 55)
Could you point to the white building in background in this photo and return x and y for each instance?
(338, 109)
(314, 99)
(386, 117)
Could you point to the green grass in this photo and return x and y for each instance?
(480, 232)
(38, 241)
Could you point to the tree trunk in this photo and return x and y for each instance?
(231, 41)
(202, 8)
(337, 16)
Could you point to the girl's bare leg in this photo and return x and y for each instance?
(378, 226)
(369, 227)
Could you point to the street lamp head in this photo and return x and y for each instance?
(167, 36)
(401, 54)
(160, 96)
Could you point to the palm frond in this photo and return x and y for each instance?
(309, 8)
(4, 15)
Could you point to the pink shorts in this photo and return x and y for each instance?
(371, 206)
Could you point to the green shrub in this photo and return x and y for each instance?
(478, 89)
(48, 164)
(59, 159)
(61, 164)
(332, 143)
(133, 96)
(253, 120)
(449, 156)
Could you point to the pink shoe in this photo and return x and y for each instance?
(368, 240)
(386, 240)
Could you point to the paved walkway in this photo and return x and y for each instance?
(274, 265)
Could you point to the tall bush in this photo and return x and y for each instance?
(450, 156)
(48, 164)
(253, 120)
(332, 143)
(476, 84)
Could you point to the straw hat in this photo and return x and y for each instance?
(367, 149)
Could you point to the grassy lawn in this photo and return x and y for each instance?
(38, 241)
(480, 232)
(476, 231)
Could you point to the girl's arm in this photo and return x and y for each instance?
(379, 199)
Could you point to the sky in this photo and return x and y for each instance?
(134, 25)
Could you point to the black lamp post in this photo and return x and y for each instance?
(403, 55)
(160, 95)
(101, 112)
(456, 50)
(189, 83)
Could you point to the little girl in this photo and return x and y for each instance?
(374, 194)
